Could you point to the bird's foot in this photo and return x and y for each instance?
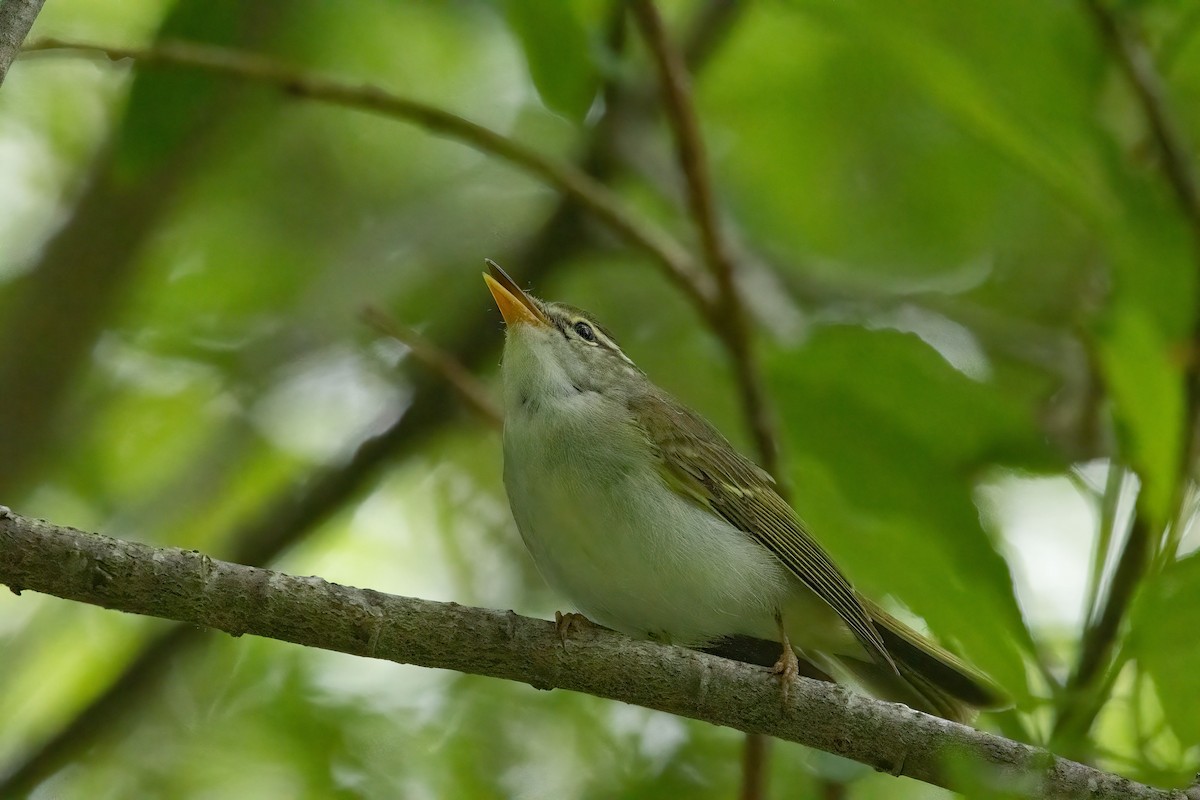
(564, 624)
(787, 668)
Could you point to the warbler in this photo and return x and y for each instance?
(641, 513)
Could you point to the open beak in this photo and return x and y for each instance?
(514, 304)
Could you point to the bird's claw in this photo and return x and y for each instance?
(788, 666)
(788, 669)
(564, 624)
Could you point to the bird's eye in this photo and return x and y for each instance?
(585, 331)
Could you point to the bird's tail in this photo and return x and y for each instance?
(927, 677)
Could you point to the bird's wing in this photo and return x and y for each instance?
(698, 463)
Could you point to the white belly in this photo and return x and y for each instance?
(606, 531)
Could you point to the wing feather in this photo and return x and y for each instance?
(700, 464)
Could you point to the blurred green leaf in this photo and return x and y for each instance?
(953, 82)
(886, 436)
(1163, 640)
(1152, 250)
(1141, 339)
(1146, 384)
(167, 107)
(558, 54)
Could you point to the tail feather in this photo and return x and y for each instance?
(926, 676)
(904, 685)
(938, 681)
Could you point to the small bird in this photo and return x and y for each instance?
(642, 514)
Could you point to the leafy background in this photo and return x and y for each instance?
(973, 290)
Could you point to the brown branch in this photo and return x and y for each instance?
(728, 317)
(16, 18)
(756, 755)
(1137, 64)
(193, 588)
(689, 145)
(468, 388)
(567, 178)
(1179, 169)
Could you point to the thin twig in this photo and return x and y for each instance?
(1179, 169)
(468, 388)
(191, 587)
(1081, 698)
(16, 18)
(689, 145)
(729, 319)
(597, 198)
(708, 30)
(756, 754)
(1138, 66)
(1110, 502)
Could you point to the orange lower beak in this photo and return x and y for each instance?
(516, 306)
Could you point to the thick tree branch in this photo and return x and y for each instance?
(190, 587)
(567, 178)
(16, 18)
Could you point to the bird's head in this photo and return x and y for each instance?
(553, 350)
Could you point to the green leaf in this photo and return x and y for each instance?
(1164, 643)
(887, 439)
(557, 51)
(1139, 341)
(969, 96)
(1152, 252)
(167, 107)
(1147, 387)
(898, 378)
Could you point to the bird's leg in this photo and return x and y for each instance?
(788, 666)
(565, 623)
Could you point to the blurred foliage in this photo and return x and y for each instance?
(966, 266)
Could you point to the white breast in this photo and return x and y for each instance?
(606, 531)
